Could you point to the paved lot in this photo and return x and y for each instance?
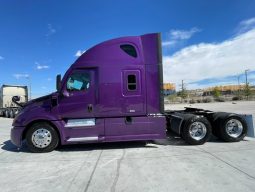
(168, 165)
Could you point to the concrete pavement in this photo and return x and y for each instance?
(168, 165)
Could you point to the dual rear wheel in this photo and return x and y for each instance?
(197, 130)
(229, 127)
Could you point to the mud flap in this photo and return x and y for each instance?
(251, 131)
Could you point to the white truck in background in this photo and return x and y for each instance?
(7, 107)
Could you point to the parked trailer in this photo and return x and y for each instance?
(114, 92)
(7, 107)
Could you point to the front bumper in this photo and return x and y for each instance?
(16, 135)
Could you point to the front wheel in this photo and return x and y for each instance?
(41, 137)
(197, 130)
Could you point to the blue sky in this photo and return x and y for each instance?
(39, 39)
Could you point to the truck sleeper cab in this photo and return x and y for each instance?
(112, 92)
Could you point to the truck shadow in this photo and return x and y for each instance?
(8, 146)
(171, 140)
(104, 146)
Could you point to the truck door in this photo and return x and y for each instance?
(77, 106)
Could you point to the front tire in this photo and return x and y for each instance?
(42, 137)
(197, 130)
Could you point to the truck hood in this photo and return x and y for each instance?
(34, 109)
(38, 101)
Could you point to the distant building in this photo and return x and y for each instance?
(169, 88)
(196, 92)
(224, 89)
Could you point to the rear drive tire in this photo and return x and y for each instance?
(216, 121)
(11, 114)
(196, 130)
(16, 112)
(42, 137)
(7, 113)
(233, 129)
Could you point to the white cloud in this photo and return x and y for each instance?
(49, 79)
(168, 43)
(51, 30)
(183, 34)
(79, 53)
(211, 60)
(176, 36)
(21, 75)
(248, 22)
(1, 57)
(246, 25)
(39, 66)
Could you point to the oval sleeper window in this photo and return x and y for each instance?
(129, 49)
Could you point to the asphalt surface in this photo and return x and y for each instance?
(167, 165)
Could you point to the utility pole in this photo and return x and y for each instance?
(246, 79)
(182, 87)
(238, 87)
(246, 83)
(182, 92)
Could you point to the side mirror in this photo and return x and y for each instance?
(15, 99)
(58, 82)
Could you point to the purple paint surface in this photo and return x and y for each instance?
(120, 114)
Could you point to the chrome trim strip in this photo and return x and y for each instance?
(80, 122)
(155, 115)
(79, 139)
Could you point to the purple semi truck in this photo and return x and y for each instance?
(113, 92)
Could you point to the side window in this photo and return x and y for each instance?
(129, 49)
(78, 81)
(131, 82)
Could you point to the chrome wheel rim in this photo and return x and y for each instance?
(234, 128)
(197, 130)
(41, 138)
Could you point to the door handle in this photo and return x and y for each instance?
(90, 108)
